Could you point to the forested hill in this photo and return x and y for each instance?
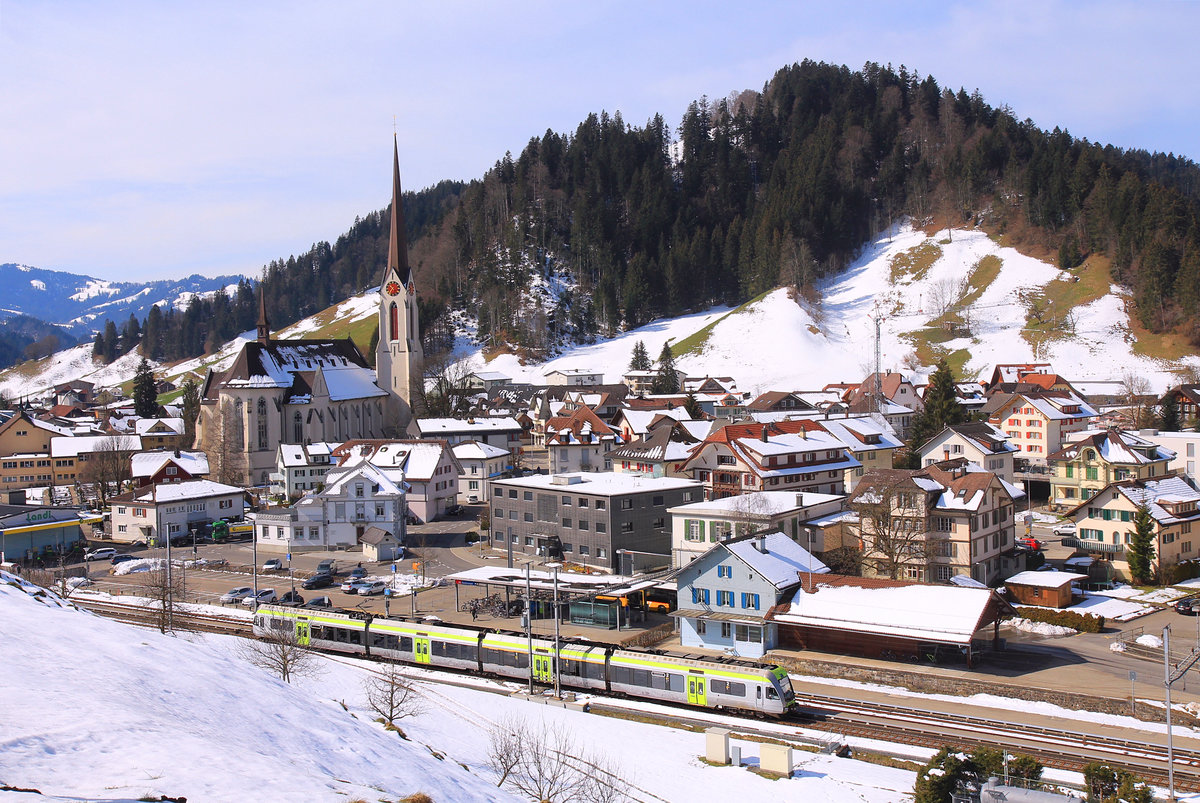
(586, 233)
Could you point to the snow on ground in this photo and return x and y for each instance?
(1116, 610)
(136, 713)
(1149, 640)
(352, 309)
(1193, 583)
(223, 729)
(73, 363)
(1040, 628)
(779, 343)
(1161, 595)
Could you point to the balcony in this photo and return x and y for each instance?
(1099, 547)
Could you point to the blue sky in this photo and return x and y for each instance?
(143, 140)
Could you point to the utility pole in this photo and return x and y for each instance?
(877, 381)
(557, 686)
(529, 621)
(1181, 669)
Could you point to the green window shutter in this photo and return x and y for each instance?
(1070, 472)
(687, 529)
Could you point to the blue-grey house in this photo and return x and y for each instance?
(725, 594)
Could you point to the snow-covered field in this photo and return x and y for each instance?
(95, 709)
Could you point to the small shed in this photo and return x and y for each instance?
(380, 546)
(1047, 589)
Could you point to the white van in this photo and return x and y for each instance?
(103, 553)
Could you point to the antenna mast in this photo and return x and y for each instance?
(877, 379)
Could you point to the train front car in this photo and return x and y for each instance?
(783, 688)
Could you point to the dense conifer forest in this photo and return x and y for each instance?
(749, 192)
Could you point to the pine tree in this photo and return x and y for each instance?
(667, 381)
(1140, 552)
(145, 397)
(111, 341)
(941, 409)
(692, 405)
(1168, 414)
(640, 360)
(191, 410)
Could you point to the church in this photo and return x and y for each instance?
(299, 391)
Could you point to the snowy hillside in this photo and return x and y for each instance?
(82, 303)
(956, 293)
(777, 342)
(136, 715)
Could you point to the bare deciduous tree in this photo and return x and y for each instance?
(445, 393)
(892, 525)
(391, 694)
(944, 295)
(165, 588)
(280, 653)
(1138, 398)
(107, 467)
(546, 764)
(223, 442)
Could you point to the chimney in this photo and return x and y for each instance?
(177, 454)
(761, 544)
(764, 433)
(800, 500)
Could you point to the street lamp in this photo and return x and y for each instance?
(557, 687)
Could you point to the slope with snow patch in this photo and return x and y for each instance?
(97, 709)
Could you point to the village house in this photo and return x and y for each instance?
(487, 381)
(778, 401)
(726, 592)
(580, 442)
(1184, 445)
(300, 468)
(71, 454)
(502, 431)
(1105, 521)
(695, 527)
(574, 376)
(25, 460)
(1038, 423)
(159, 433)
(480, 464)
(977, 442)
(337, 516)
(931, 524)
(427, 469)
(1187, 402)
(782, 456)
(1094, 458)
(1011, 373)
(662, 451)
(156, 513)
(154, 468)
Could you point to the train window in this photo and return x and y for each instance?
(772, 694)
(405, 644)
(732, 689)
(593, 671)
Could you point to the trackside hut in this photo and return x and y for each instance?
(1047, 589)
(872, 616)
(725, 594)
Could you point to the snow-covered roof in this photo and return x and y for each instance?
(147, 464)
(1114, 446)
(181, 491)
(1054, 579)
(944, 613)
(447, 426)
(416, 459)
(477, 450)
(758, 504)
(143, 425)
(73, 446)
(599, 483)
(1165, 490)
(337, 480)
(779, 559)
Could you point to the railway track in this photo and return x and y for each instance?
(840, 716)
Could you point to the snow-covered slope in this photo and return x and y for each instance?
(101, 710)
(781, 341)
(82, 303)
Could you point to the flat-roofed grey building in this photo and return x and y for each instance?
(587, 518)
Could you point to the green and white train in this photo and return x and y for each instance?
(720, 683)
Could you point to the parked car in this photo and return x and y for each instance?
(272, 565)
(357, 573)
(1029, 543)
(318, 602)
(103, 553)
(352, 586)
(455, 510)
(1188, 606)
(119, 558)
(236, 594)
(264, 595)
(1067, 529)
(291, 599)
(371, 589)
(318, 580)
(328, 565)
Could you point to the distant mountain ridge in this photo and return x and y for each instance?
(81, 304)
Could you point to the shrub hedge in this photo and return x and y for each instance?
(1083, 622)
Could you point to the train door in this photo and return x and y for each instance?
(421, 650)
(302, 633)
(696, 693)
(543, 671)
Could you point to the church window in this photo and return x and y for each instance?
(240, 434)
(297, 427)
(412, 319)
(394, 321)
(262, 423)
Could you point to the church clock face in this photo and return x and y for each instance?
(392, 288)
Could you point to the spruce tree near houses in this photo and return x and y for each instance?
(941, 408)
(1168, 414)
(1140, 552)
(145, 397)
(640, 360)
(667, 380)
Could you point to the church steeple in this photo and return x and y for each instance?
(398, 239)
(264, 326)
